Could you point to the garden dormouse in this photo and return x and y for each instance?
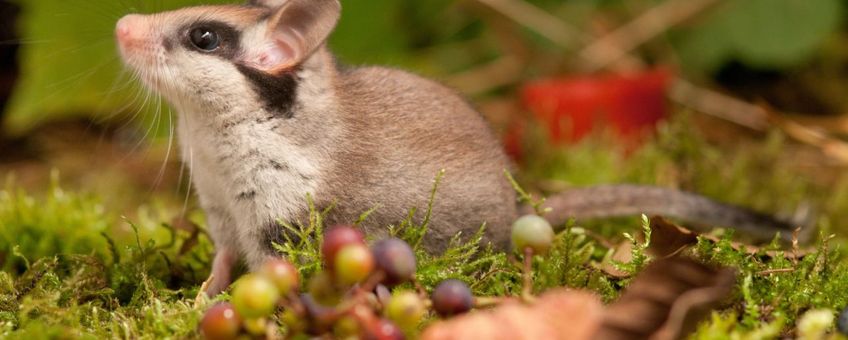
(267, 116)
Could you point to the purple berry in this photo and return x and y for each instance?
(452, 297)
(396, 259)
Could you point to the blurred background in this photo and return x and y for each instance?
(743, 100)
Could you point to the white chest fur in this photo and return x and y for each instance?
(247, 176)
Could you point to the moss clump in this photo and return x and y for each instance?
(72, 269)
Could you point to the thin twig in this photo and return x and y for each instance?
(202, 297)
(502, 71)
(489, 301)
(718, 105)
(775, 271)
(538, 20)
(653, 22)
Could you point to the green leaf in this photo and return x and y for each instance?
(761, 33)
(70, 67)
(780, 32)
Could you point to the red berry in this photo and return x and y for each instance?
(220, 322)
(396, 259)
(353, 264)
(336, 238)
(282, 273)
(383, 330)
(452, 297)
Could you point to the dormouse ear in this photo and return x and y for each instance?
(267, 3)
(295, 31)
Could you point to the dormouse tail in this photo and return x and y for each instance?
(633, 200)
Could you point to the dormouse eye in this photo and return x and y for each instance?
(205, 39)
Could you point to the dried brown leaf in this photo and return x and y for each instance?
(669, 239)
(666, 300)
(623, 253)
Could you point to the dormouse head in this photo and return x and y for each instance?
(197, 55)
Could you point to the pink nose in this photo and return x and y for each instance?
(130, 28)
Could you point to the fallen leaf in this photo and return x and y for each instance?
(666, 300)
(623, 253)
(668, 239)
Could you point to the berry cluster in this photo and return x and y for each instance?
(351, 297)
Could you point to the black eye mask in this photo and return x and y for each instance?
(211, 37)
(278, 92)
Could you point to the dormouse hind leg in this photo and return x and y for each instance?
(222, 271)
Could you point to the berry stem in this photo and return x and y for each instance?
(420, 288)
(490, 301)
(527, 275)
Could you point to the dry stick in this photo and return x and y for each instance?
(499, 72)
(832, 147)
(775, 271)
(655, 21)
(538, 20)
(491, 301)
(543, 23)
(201, 295)
(719, 105)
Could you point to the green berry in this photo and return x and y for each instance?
(406, 309)
(256, 327)
(532, 232)
(353, 264)
(346, 327)
(293, 321)
(255, 296)
(221, 322)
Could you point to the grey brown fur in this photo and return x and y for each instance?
(275, 119)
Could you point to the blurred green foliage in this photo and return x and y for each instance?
(760, 33)
(70, 66)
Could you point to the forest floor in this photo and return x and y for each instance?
(98, 238)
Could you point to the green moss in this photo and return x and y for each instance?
(73, 270)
